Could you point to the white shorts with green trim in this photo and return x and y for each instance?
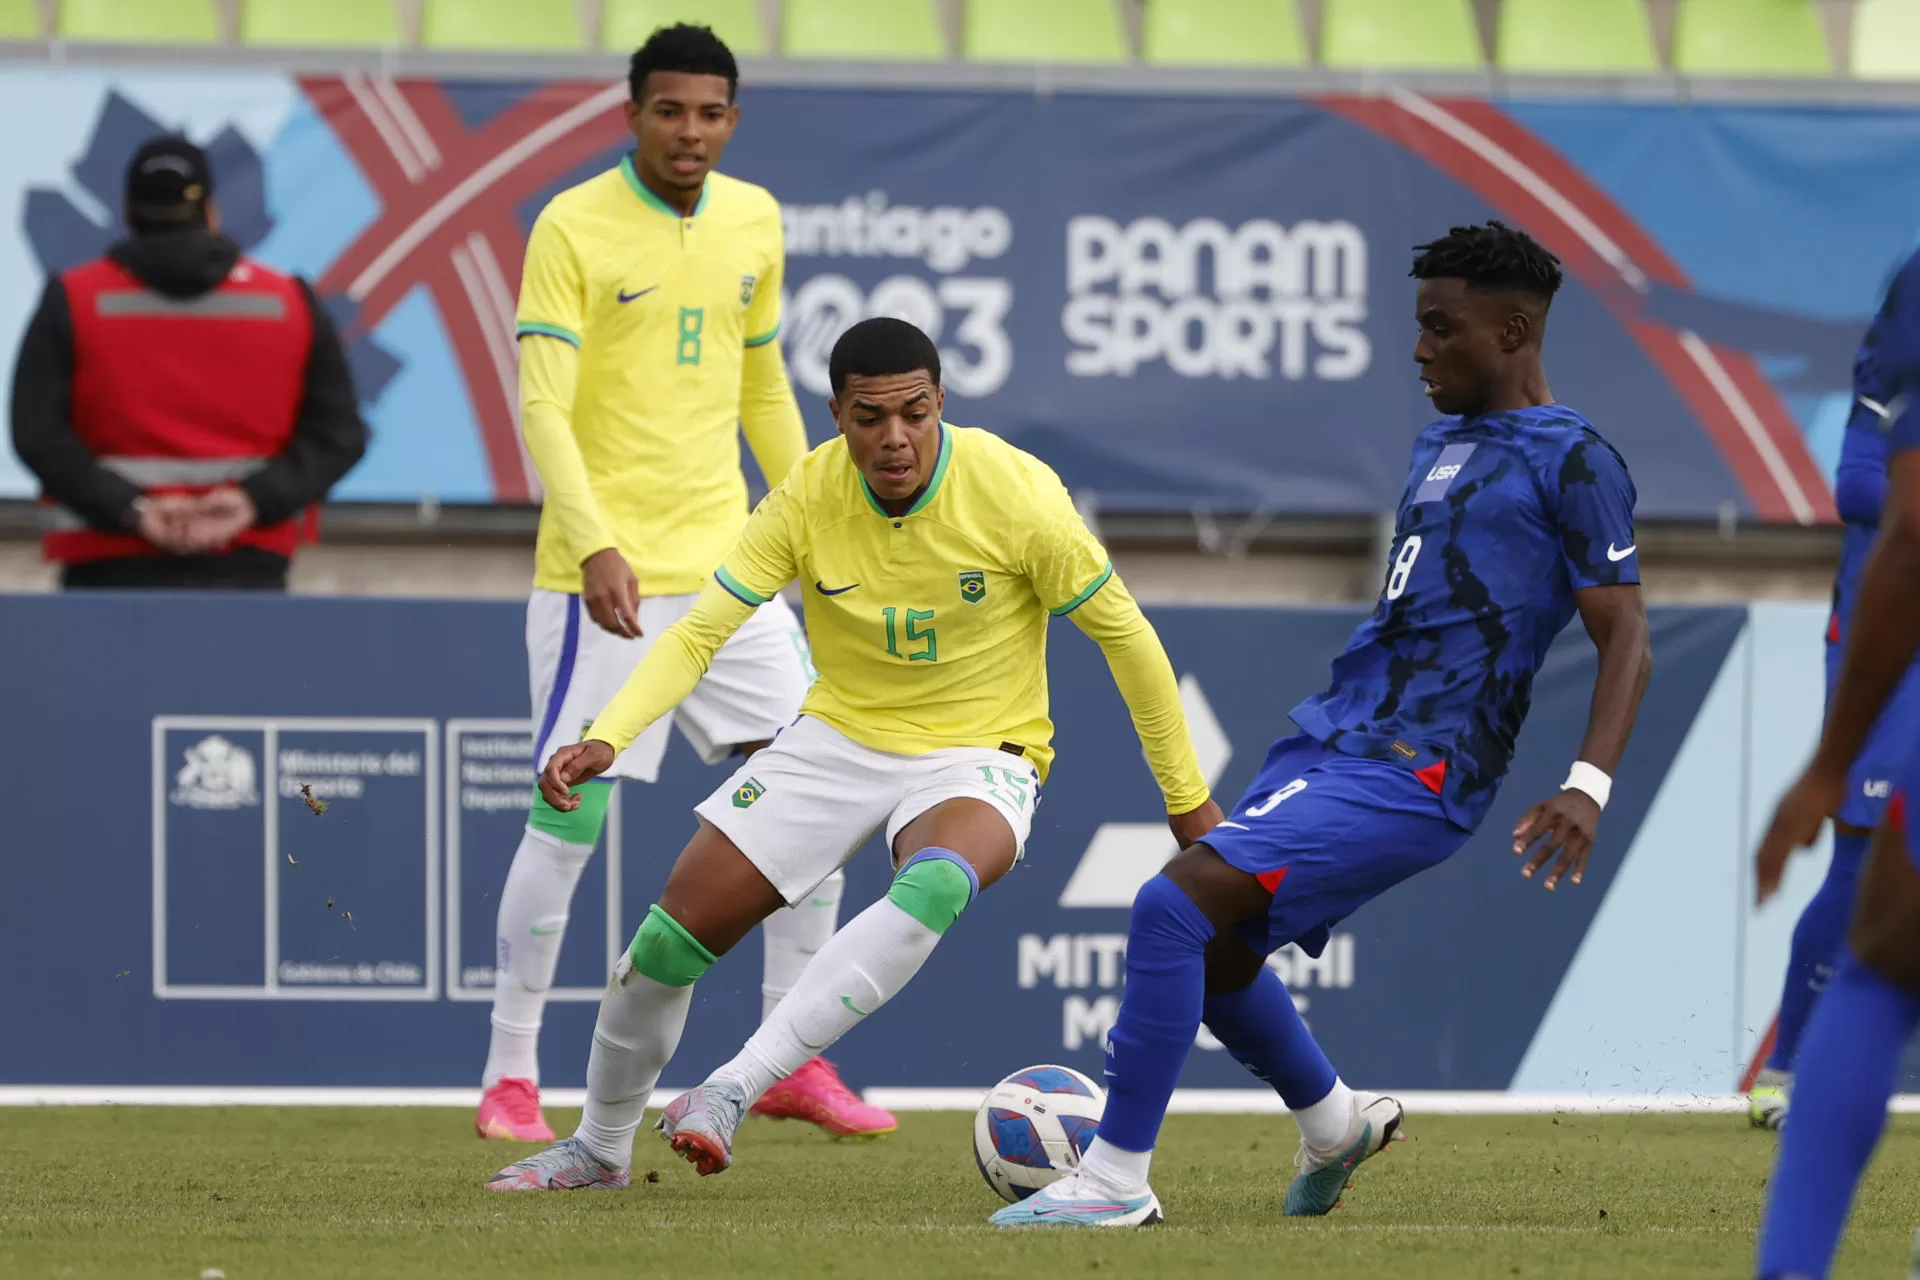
(753, 689)
(803, 806)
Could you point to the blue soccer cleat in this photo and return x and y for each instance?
(1073, 1202)
(1323, 1175)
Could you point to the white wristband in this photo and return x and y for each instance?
(1590, 779)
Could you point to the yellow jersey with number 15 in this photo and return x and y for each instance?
(663, 309)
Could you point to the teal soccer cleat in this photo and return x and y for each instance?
(1071, 1203)
(1322, 1175)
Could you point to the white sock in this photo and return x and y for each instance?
(1323, 1124)
(793, 935)
(532, 921)
(638, 1029)
(858, 970)
(1122, 1173)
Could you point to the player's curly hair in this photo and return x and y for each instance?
(880, 346)
(1492, 256)
(686, 48)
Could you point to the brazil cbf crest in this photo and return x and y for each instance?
(746, 289)
(973, 586)
(747, 792)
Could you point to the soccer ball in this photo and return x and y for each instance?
(1033, 1127)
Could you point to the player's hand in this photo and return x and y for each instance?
(570, 766)
(218, 517)
(1563, 825)
(1796, 823)
(611, 593)
(1190, 826)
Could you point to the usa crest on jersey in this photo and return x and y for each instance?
(973, 586)
(746, 289)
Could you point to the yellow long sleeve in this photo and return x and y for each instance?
(1112, 620)
(769, 416)
(673, 666)
(549, 369)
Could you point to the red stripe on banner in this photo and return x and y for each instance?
(1760, 1055)
(1516, 172)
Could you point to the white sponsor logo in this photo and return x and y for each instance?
(1622, 553)
(217, 775)
(1877, 788)
(964, 315)
(1213, 301)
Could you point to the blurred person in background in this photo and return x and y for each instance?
(180, 404)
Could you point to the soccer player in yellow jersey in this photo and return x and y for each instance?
(648, 311)
(931, 558)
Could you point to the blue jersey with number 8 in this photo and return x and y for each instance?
(1504, 517)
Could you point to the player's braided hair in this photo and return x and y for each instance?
(686, 48)
(1492, 256)
(878, 347)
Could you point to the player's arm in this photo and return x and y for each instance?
(759, 565)
(769, 415)
(1860, 481)
(551, 322)
(1074, 578)
(1598, 550)
(1886, 611)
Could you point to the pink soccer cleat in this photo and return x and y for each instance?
(510, 1112)
(815, 1092)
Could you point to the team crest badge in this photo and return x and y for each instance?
(746, 289)
(973, 586)
(747, 792)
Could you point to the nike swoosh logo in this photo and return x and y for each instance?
(1236, 826)
(836, 591)
(538, 932)
(848, 1001)
(1622, 554)
(629, 297)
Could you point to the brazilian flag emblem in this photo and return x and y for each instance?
(973, 586)
(746, 290)
(747, 792)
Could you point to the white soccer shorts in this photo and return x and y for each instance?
(753, 689)
(803, 806)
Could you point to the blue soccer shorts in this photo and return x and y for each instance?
(1882, 761)
(1328, 833)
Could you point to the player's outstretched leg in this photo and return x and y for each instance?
(531, 924)
(814, 1092)
(1249, 1010)
(712, 899)
(1817, 942)
(946, 856)
(1848, 1066)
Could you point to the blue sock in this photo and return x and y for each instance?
(1262, 1030)
(1849, 1064)
(1159, 1014)
(1817, 941)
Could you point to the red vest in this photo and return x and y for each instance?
(180, 395)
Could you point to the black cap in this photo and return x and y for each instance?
(168, 182)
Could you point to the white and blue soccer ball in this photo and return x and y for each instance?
(1033, 1127)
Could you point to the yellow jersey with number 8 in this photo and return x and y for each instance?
(663, 309)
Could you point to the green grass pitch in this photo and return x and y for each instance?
(300, 1192)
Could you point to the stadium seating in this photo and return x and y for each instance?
(1223, 33)
(1749, 38)
(862, 29)
(18, 20)
(1598, 36)
(1413, 35)
(626, 24)
(1057, 31)
(506, 26)
(1886, 40)
(139, 21)
(336, 24)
